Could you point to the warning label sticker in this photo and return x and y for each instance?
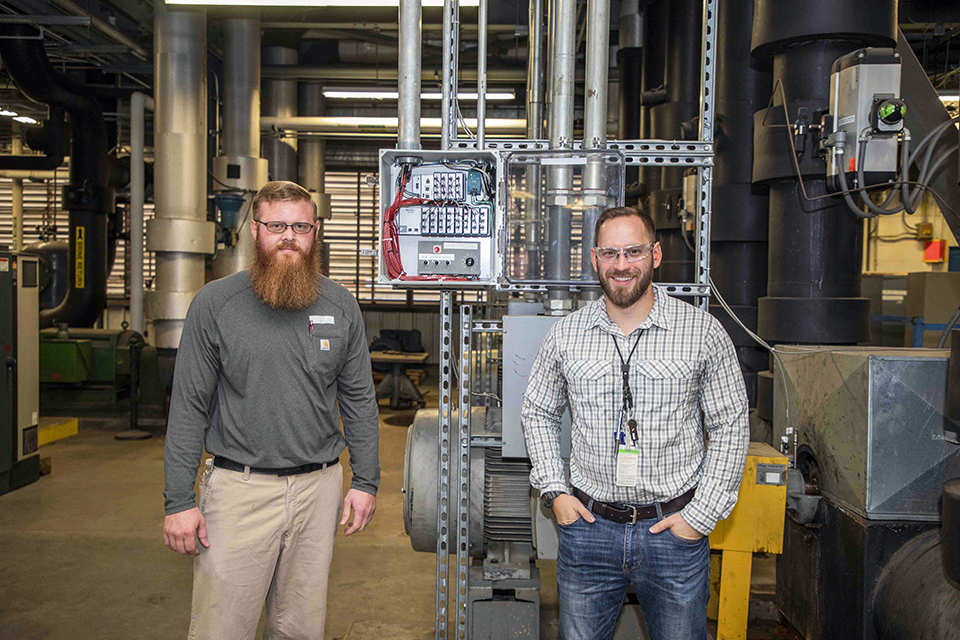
(80, 258)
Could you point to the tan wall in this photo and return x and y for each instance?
(904, 255)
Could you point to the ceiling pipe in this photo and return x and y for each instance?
(408, 72)
(89, 198)
(363, 73)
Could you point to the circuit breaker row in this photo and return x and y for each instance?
(445, 221)
(441, 185)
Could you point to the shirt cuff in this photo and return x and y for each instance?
(698, 518)
(366, 487)
(555, 486)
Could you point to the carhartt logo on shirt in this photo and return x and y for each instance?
(324, 345)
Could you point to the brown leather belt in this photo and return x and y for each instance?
(629, 513)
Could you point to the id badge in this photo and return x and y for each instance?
(628, 465)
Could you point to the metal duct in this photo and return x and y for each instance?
(239, 170)
(408, 73)
(180, 234)
(738, 235)
(562, 53)
(89, 197)
(682, 82)
(506, 499)
(279, 99)
(535, 104)
(815, 247)
(313, 160)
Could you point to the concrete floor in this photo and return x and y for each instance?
(82, 555)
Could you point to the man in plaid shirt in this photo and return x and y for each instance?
(648, 380)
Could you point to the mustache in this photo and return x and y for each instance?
(288, 244)
(621, 274)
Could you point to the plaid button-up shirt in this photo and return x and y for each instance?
(685, 381)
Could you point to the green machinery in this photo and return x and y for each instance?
(89, 369)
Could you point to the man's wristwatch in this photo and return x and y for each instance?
(548, 498)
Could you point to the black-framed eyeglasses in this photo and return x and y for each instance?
(633, 253)
(275, 226)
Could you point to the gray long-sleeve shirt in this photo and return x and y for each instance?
(261, 387)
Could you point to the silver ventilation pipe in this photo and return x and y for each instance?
(139, 103)
(280, 99)
(180, 234)
(535, 98)
(239, 171)
(482, 75)
(408, 74)
(594, 132)
(562, 51)
(313, 160)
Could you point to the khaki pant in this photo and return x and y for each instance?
(271, 539)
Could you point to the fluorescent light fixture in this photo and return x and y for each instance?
(25, 119)
(353, 4)
(9, 114)
(375, 94)
(945, 97)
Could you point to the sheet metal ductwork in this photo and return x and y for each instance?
(89, 198)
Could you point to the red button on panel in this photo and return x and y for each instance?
(436, 248)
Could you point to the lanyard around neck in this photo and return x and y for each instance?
(625, 371)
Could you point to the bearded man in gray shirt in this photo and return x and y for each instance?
(266, 359)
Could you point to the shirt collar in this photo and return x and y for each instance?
(657, 316)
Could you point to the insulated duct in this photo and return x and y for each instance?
(682, 73)
(89, 198)
(179, 233)
(279, 99)
(738, 234)
(239, 171)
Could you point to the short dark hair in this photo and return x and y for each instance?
(620, 212)
(282, 191)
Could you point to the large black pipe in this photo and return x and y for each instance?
(682, 71)
(914, 599)
(813, 288)
(654, 61)
(89, 197)
(738, 234)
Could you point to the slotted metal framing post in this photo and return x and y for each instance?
(705, 173)
(463, 472)
(451, 53)
(443, 474)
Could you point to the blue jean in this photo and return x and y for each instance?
(596, 561)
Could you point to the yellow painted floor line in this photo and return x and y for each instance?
(57, 431)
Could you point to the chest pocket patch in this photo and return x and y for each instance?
(589, 382)
(326, 351)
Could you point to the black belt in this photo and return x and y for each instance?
(226, 463)
(628, 513)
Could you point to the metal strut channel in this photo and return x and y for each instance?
(443, 475)
(463, 472)
(705, 172)
(680, 153)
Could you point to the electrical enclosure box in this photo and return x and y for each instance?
(505, 218)
(438, 218)
(857, 82)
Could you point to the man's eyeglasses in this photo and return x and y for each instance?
(635, 253)
(275, 226)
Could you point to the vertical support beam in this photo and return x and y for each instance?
(481, 74)
(705, 174)
(443, 472)
(463, 471)
(408, 130)
(17, 193)
(139, 102)
(312, 158)
(734, 595)
(451, 49)
(535, 104)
